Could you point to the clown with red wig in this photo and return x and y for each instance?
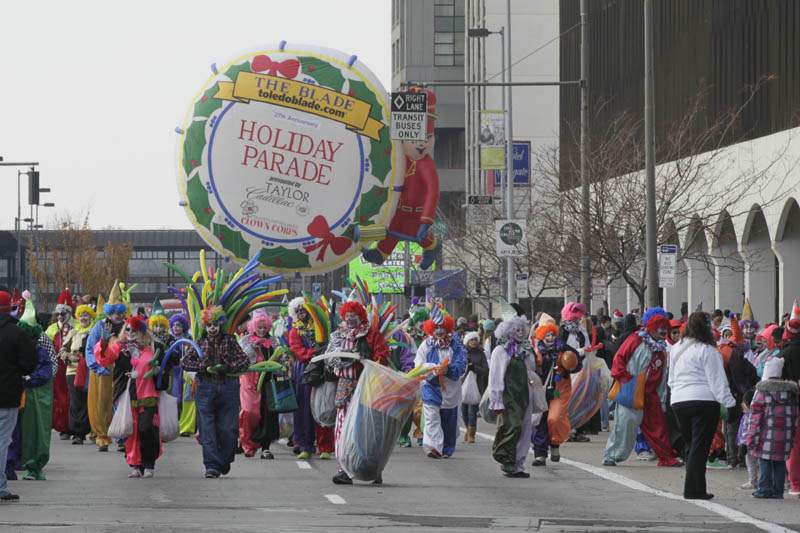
(258, 427)
(131, 355)
(643, 356)
(441, 391)
(354, 335)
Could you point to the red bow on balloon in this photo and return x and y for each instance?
(288, 68)
(319, 228)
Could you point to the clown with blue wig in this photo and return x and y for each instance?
(101, 384)
(640, 374)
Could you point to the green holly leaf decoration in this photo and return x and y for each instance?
(194, 141)
(370, 205)
(322, 72)
(380, 150)
(198, 201)
(281, 257)
(207, 103)
(233, 241)
(233, 72)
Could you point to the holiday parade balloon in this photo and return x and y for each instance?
(285, 154)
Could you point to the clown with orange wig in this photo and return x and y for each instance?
(441, 391)
(354, 335)
(640, 366)
(556, 361)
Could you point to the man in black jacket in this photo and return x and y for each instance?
(17, 359)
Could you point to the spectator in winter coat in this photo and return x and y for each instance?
(773, 421)
(476, 362)
(790, 354)
(17, 358)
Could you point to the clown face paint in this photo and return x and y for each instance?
(352, 320)
(550, 338)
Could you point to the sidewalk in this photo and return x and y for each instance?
(724, 484)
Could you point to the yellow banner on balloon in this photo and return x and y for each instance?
(320, 101)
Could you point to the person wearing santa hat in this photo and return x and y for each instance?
(57, 331)
(441, 391)
(790, 354)
(355, 335)
(642, 356)
(132, 357)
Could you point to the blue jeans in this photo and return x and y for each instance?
(218, 421)
(605, 409)
(449, 429)
(469, 414)
(303, 435)
(772, 476)
(8, 421)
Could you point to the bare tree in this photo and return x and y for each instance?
(689, 197)
(67, 257)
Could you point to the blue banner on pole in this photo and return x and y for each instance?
(522, 165)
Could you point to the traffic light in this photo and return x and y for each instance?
(33, 187)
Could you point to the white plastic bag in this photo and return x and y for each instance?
(167, 416)
(381, 405)
(122, 422)
(323, 404)
(483, 408)
(470, 395)
(539, 395)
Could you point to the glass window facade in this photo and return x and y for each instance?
(448, 37)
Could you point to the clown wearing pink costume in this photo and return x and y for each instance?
(257, 345)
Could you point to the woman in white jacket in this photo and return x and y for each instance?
(698, 387)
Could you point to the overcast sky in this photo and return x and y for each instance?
(94, 89)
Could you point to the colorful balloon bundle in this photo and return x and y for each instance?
(238, 294)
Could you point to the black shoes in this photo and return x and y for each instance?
(212, 474)
(706, 496)
(518, 474)
(342, 479)
(9, 497)
(266, 454)
(539, 461)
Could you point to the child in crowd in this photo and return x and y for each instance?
(750, 460)
(773, 420)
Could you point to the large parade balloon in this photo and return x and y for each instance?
(285, 155)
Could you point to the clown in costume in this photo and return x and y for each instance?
(183, 386)
(100, 378)
(217, 394)
(303, 344)
(643, 355)
(256, 432)
(57, 332)
(354, 335)
(132, 357)
(35, 418)
(72, 353)
(555, 362)
(412, 329)
(416, 208)
(575, 335)
(441, 391)
(511, 378)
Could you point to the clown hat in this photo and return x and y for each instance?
(64, 303)
(158, 309)
(114, 296)
(747, 311)
(795, 311)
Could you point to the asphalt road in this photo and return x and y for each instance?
(89, 491)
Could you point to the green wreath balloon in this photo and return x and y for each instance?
(285, 154)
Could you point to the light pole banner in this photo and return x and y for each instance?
(510, 237)
(285, 155)
(492, 138)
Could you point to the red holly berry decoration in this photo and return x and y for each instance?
(207, 211)
(221, 237)
(194, 162)
(351, 92)
(362, 220)
(204, 98)
(278, 261)
(260, 63)
(312, 68)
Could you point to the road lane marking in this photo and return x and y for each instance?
(335, 499)
(726, 512)
(303, 465)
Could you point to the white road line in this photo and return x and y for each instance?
(726, 512)
(335, 499)
(303, 465)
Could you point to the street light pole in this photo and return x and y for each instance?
(586, 235)
(650, 156)
(512, 293)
